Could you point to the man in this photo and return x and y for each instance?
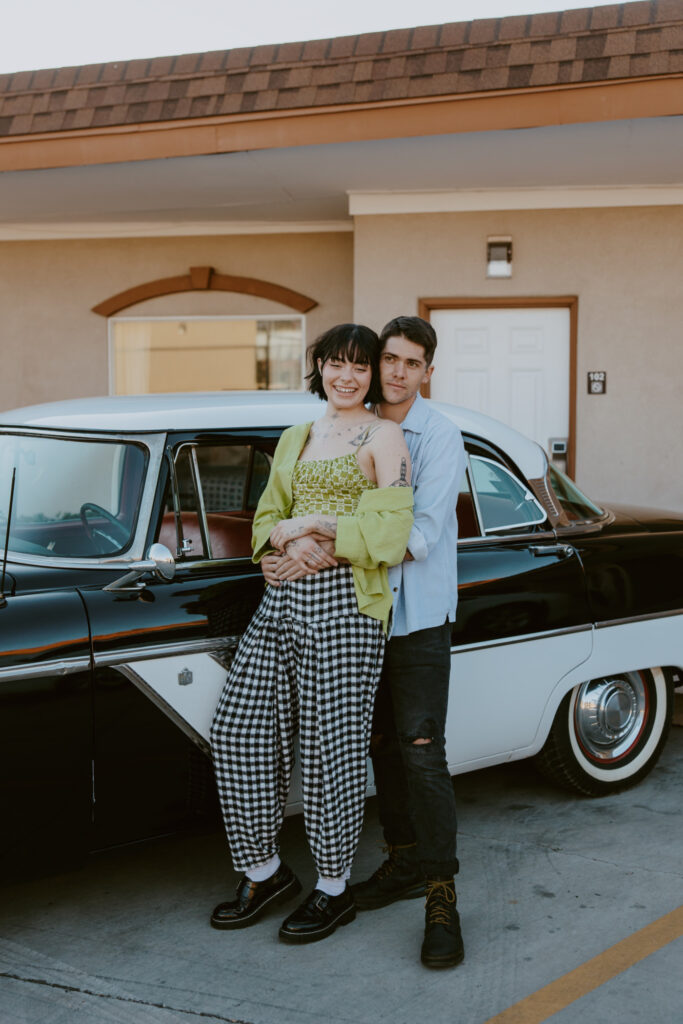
(414, 789)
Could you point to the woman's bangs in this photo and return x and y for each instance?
(353, 350)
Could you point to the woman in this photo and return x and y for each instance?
(311, 655)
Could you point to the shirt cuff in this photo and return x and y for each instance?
(417, 545)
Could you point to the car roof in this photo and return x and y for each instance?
(215, 410)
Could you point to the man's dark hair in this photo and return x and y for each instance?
(412, 328)
(354, 342)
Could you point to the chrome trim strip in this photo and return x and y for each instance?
(59, 667)
(589, 526)
(179, 535)
(203, 521)
(517, 538)
(543, 490)
(74, 434)
(639, 618)
(216, 643)
(164, 706)
(204, 563)
(526, 638)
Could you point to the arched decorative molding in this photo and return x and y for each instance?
(202, 279)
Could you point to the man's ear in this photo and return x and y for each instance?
(428, 374)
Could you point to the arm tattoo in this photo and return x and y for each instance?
(403, 479)
(326, 526)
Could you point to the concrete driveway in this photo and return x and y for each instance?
(549, 882)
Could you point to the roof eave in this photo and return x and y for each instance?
(493, 110)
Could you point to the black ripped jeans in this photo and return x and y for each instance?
(414, 789)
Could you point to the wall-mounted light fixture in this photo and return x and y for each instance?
(499, 256)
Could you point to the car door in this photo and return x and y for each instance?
(45, 725)
(160, 651)
(523, 620)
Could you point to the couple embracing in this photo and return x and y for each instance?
(356, 533)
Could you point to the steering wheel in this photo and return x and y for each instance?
(119, 531)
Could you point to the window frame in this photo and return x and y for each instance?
(179, 318)
(511, 534)
(174, 447)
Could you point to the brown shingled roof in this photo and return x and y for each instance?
(620, 41)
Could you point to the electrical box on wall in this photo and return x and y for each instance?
(499, 256)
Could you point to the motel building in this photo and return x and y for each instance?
(194, 222)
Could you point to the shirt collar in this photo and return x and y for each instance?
(416, 417)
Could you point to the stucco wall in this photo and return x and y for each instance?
(54, 347)
(625, 267)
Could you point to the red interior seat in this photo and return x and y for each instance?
(230, 535)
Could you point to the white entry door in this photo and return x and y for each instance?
(512, 364)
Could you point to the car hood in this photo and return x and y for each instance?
(650, 519)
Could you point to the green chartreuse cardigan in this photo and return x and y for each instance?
(375, 537)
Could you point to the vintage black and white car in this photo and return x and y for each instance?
(126, 582)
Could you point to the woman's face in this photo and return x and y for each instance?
(345, 383)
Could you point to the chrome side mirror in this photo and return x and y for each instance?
(164, 562)
(159, 561)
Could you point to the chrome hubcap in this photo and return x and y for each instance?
(610, 714)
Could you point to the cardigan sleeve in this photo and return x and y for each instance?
(377, 535)
(275, 503)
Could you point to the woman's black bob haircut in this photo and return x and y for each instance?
(354, 342)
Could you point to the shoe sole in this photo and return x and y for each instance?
(296, 939)
(413, 892)
(439, 962)
(292, 888)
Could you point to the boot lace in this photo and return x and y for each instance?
(440, 895)
(390, 864)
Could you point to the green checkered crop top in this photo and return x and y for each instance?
(330, 486)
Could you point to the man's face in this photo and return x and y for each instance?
(402, 369)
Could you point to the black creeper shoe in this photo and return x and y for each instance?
(317, 917)
(253, 899)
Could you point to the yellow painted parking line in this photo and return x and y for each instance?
(541, 1005)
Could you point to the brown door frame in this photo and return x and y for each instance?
(570, 302)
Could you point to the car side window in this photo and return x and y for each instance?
(468, 522)
(217, 487)
(503, 501)
(223, 472)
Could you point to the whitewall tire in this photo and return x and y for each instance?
(609, 732)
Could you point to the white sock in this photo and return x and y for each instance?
(263, 871)
(331, 886)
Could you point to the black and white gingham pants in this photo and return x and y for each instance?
(310, 660)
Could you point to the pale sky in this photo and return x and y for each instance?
(58, 33)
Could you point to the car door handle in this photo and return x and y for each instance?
(545, 550)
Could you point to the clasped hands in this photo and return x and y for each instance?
(301, 551)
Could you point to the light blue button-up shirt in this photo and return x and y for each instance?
(426, 589)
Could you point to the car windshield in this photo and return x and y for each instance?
(577, 506)
(73, 498)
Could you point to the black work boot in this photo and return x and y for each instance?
(398, 878)
(443, 945)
